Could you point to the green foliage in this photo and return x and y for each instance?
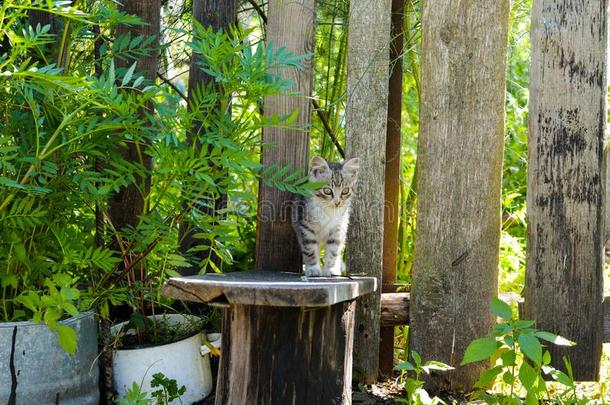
(168, 391)
(517, 355)
(411, 373)
(57, 122)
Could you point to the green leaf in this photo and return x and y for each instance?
(479, 349)
(562, 378)
(404, 366)
(546, 357)
(436, 366)
(508, 358)
(501, 309)
(416, 358)
(70, 293)
(67, 338)
(488, 377)
(531, 399)
(531, 347)
(555, 339)
(521, 324)
(527, 376)
(128, 75)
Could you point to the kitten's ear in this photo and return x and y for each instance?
(318, 167)
(350, 168)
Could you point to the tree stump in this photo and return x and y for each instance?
(286, 339)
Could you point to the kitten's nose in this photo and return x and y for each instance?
(337, 203)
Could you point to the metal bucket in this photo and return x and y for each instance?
(187, 361)
(34, 369)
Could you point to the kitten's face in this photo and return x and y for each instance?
(340, 181)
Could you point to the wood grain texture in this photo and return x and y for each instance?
(394, 309)
(567, 121)
(607, 195)
(290, 25)
(282, 356)
(366, 122)
(606, 321)
(392, 182)
(459, 171)
(269, 288)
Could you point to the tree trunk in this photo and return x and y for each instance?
(567, 121)
(217, 14)
(128, 204)
(459, 174)
(392, 181)
(291, 25)
(366, 123)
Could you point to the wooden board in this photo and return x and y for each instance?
(368, 63)
(567, 120)
(286, 356)
(395, 310)
(392, 182)
(459, 173)
(269, 289)
(290, 25)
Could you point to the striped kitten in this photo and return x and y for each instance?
(320, 221)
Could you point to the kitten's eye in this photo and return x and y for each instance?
(345, 192)
(327, 191)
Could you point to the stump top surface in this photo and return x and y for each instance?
(269, 288)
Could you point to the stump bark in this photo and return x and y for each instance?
(286, 339)
(284, 355)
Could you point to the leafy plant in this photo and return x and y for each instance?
(58, 119)
(168, 391)
(416, 394)
(518, 357)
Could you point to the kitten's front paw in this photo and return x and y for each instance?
(335, 270)
(326, 272)
(313, 271)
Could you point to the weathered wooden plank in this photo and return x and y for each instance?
(459, 171)
(606, 321)
(269, 288)
(392, 182)
(366, 121)
(290, 25)
(567, 121)
(279, 356)
(394, 309)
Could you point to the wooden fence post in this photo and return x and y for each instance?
(392, 181)
(290, 25)
(459, 174)
(567, 121)
(366, 116)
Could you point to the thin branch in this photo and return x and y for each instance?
(322, 114)
(259, 10)
(172, 85)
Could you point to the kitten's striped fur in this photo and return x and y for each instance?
(320, 221)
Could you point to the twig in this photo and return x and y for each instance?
(322, 114)
(172, 85)
(259, 10)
